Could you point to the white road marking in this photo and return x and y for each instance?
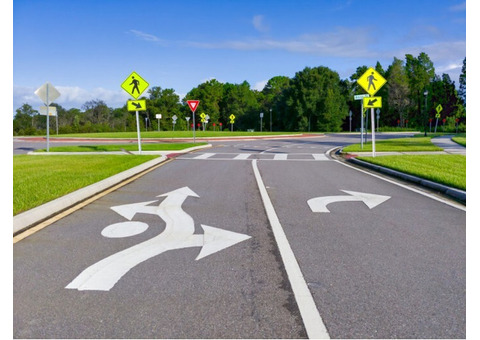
(319, 204)
(204, 155)
(320, 157)
(311, 317)
(178, 234)
(280, 157)
(242, 156)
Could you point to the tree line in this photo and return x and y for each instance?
(315, 99)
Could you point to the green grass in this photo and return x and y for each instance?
(173, 134)
(461, 139)
(399, 145)
(127, 147)
(449, 170)
(40, 179)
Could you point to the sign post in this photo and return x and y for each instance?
(439, 109)
(261, 118)
(158, 116)
(47, 93)
(232, 121)
(193, 105)
(360, 97)
(134, 85)
(372, 81)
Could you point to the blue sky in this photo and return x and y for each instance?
(86, 48)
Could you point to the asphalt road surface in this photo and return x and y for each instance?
(194, 250)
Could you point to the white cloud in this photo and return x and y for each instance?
(260, 85)
(342, 42)
(148, 37)
(259, 24)
(70, 97)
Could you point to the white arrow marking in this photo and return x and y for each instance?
(178, 234)
(319, 204)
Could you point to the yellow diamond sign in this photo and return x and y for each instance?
(134, 85)
(371, 81)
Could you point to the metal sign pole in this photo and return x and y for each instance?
(48, 124)
(193, 113)
(361, 124)
(373, 130)
(138, 134)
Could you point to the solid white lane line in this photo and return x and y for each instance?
(204, 155)
(311, 317)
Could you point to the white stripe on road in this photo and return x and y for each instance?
(243, 156)
(320, 157)
(280, 157)
(311, 317)
(204, 155)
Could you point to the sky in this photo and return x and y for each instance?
(87, 48)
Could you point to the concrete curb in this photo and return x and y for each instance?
(456, 194)
(38, 214)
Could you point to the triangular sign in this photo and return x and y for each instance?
(193, 104)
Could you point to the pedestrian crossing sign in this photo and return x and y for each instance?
(371, 81)
(134, 85)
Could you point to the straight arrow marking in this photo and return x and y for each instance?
(319, 204)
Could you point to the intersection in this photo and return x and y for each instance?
(393, 269)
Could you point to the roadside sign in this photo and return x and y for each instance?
(158, 116)
(136, 105)
(134, 85)
(52, 110)
(202, 115)
(193, 104)
(232, 117)
(360, 96)
(47, 93)
(372, 102)
(439, 108)
(437, 115)
(371, 81)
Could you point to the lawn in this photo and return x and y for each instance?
(40, 179)
(397, 144)
(175, 134)
(122, 147)
(449, 170)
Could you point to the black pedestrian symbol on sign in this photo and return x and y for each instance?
(135, 83)
(370, 79)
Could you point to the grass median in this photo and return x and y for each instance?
(445, 169)
(123, 147)
(449, 170)
(40, 179)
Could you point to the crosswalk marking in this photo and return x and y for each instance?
(320, 156)
(280, 156)
(259, 156)
(242, 156)
(204, 155)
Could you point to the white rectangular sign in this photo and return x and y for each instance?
(52, 110)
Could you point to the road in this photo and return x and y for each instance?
(378, 259)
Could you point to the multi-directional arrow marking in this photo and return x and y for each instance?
(178, 234)
(319, 204)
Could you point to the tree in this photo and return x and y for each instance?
(420, 73)
(315, 101)
(462, 91)
(398, 91)
(210, 94)
(241, 101)
(97, 112)
(165, 102)
(273, 99)
(24, 120)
